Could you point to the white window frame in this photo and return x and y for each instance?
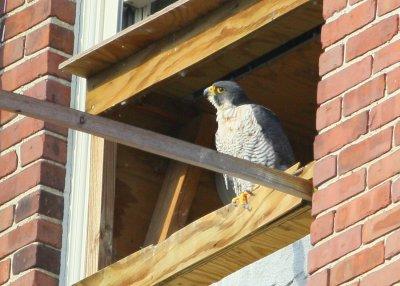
(95, 20)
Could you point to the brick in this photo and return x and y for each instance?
(381, 224)
(45, 63)
(319, 279)
(18, 131)
(387, 56)
(64, 10)
(37, 230)
(396, 191)
(41, 172)
(334, 248)
(11, 52)
(330, 60)
(36, 13)
(44, 147)
(392, 244)
(372, 38)
(328, 113)
(50, 36)
(36, 256)
(387, 275)
(4, 271)
(338, 192)
(363, 206)
(365, 151)
(332, 6)
(6, 116)
(364, 95)
(393, 80)
(384, 169)
(357, 264)
(321, 227)
(14, 133)
(6, 218)
(35, 278)
(40, 202)
(50, 90)
(324, 170)
(384, 112)
(344, 80)
(8, 163)
(386, 6)
(348, 23)
(397, 135)
(340, 135)
(12, 5)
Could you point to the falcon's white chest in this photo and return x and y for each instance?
(238, 132)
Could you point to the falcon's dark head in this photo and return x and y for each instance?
(225, 94)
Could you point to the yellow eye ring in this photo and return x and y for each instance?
(220, 89)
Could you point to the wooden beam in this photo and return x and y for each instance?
(224, 27)
(179, 187)
(215, 245)
(156, 143)
(130, 40)
(99, 245)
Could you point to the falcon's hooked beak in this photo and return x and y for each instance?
(209, 91)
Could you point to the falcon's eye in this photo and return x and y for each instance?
(220, 89)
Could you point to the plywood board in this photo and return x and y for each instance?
(206, 199)
(142, 34)
(215, 245)
(180, 185)
(99, 242)
(255, 26)
(139, 178)
(288, 85)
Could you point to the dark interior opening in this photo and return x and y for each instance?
(284, 80)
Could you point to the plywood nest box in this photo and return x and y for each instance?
(168, 214)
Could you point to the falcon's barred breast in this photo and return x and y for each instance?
(248, 131)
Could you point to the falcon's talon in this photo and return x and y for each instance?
(243, 199)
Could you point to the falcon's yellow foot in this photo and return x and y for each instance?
(243, 200)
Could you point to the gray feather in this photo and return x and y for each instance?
(273, 131)
(248, 131)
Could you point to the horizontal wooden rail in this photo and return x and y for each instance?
(156, 143)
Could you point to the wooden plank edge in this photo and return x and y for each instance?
(140, 28)
(195, 45)
(300, 209)
(156, 143)
(144, 258)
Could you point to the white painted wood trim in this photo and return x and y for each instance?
(95, 21)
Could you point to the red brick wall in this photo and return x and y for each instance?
(38, 35)
(356, 233)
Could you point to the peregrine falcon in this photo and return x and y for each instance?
(248, 131)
